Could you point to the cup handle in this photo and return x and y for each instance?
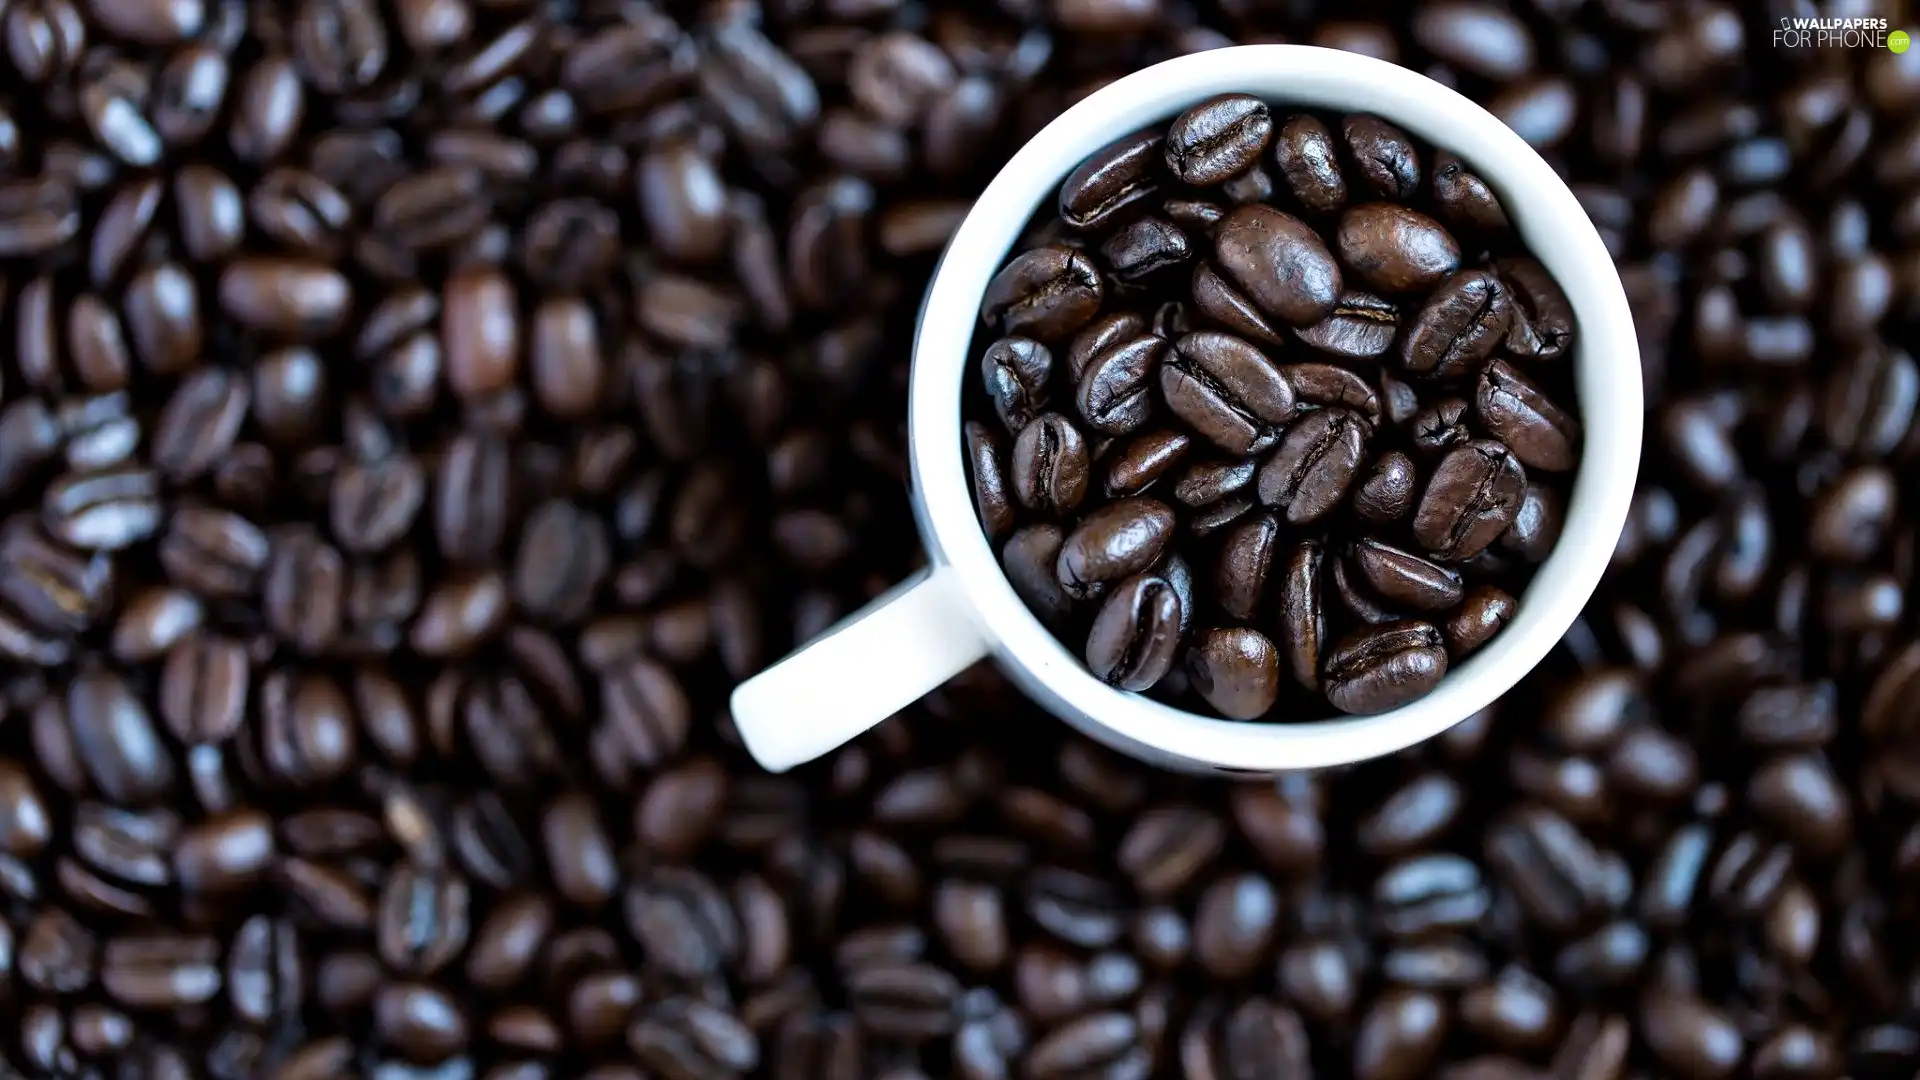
(875, 662)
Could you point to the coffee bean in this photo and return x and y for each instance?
(1114, 393)
(1237, 670)
(1049, 468)
(1384, 667)
(1464, 199)
(1464, 319)
(1406, 580)
(1226, 390)
(1218, 139)
(1309, 162)
(1482, 614)
(1361, 326)
(1220, 301)
(1115, 541)
(1315, 465)
(1247, 552)
(109, 510)
(1017, 371)
(1303, 620)
(1536, 527)
(1388, 492)
(1136, 635)
(1396, 250)
(1144, 461)
(1279, 262)
(1472, 497)
(1048, 294)
(1399, 1035)
(1543, 325)
(284, 297)
(990, 495)
(1107, 184)
(1029, 559)
(1101, 335)
(1517, 412)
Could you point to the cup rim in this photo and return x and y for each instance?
(1541, 208)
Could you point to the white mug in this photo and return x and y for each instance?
(961, 608)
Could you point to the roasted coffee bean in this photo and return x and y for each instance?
(991, 496)
(1107, 184)
(1395, 249)
(1206, 483)
(1144, 461)
(1536, 527)
(1543, 326)
(1303, 619)
(1279, 262)
(1464, 319)
(1328, 386)
(1016, 371)
(1029, 559)
(1383, 155)
(1309, 163)
(1473, 496)
(1218, 139)
(1247, 551)
(1227, 391)
(1136, 635)
(1384, 667)
(1220, 301)
(1047, 294)
(1463, 198)
(1099, 336)
(1406, 580)
(1388, 492)
(1237, 670)
(1484, 612)
(1050, 466)
(1115, 389)
(1144, 248)
(1315, 464)
(1518, 413)
(1115, 541)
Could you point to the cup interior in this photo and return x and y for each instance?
(1550, 221)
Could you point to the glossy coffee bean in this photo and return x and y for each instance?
(1136, 635)
(1315, 464)
(1218, 139)
(1384, 667)
(1114, 542)
(1016, 372)
(1049, 470)
(1226, 390)
(1237, 670)
(1463, 321)
(1115, 389)
(1279, 262)
(1516, 411)
(1108, 183)
(1473, 496)
(1047, 294)
(1308, 158)
(1394, 249)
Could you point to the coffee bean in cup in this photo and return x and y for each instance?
(1275, 413)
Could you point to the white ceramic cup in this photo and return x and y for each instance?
(961, 609)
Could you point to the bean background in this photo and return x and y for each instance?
(416, 416)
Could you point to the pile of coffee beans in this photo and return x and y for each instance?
(1274, 442)
(417, 416)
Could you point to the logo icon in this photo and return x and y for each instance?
(1898, 41)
